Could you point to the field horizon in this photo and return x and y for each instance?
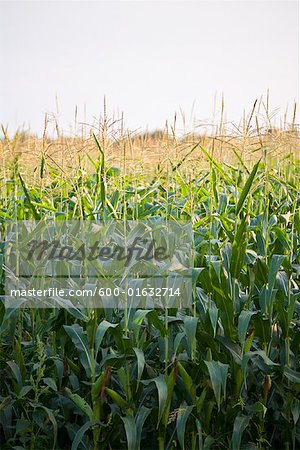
(261, 133)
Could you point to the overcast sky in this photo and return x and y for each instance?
(149, 58)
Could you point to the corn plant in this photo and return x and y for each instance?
(222, 374)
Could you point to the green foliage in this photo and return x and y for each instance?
(225, 374)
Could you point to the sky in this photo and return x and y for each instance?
(149, 59)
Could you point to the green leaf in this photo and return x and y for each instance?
(239, 249)
(162, 390)
(80, 433)
(140, 363)
(234, 348)
(17, 374)
(190, 326)
(276, 262)
(79, 340)
(101, 173)
(140, 316)
(213, 315)
(162, 395)
(295, 410)
(257, 407)
(218, 375)
(52, 419)
(184, 412)
(218, 167)
(36, 215)
(6, 401)
(185, 157)
(240, 425)
(243, 324)
(188, 382)
(117, 399)
(51, 383)
(251, 355)
(208, 442)
(131, 432)
(80, 403)
(140, 419)
(177, 341)
(100, 332)
(170, 387)
(24, 391)
(19, 356)
(292, 375)
(246, 188)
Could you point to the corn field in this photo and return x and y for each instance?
(223, 374)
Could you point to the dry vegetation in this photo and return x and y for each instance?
(140, 152)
